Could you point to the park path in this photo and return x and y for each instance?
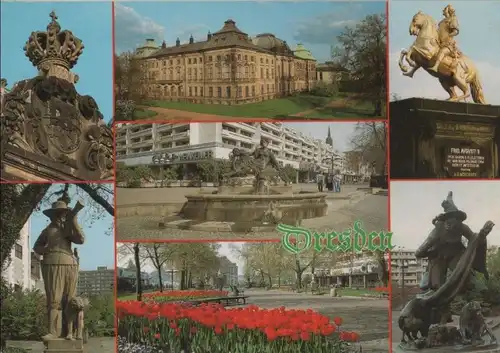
(181, 115)
(95, 344)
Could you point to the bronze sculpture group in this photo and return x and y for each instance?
(260, 163)
(436, 51)
(452, 269)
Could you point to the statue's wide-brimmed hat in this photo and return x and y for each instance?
(57, 207)
(451, 210)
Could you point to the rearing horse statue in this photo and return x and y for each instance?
(451, 71)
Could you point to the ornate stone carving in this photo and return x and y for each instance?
(46, 116)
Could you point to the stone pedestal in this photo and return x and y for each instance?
(63, 346)
(441, 139)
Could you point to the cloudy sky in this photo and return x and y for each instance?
(478, 39)
(341, 132)
(415, 203)
(314, 24)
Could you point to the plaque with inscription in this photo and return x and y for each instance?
(465, 162)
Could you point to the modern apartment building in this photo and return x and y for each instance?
(96, 282)
(361, 270)
(406, 268)
(191, 143)
(229, 270)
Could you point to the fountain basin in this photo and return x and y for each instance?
(252, 208)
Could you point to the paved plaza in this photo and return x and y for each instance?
(368, 317)
(355, 202)
(94, 345)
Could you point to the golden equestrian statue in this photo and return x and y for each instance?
(435, 50)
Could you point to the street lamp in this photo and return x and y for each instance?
(162, 159)
(404, 266)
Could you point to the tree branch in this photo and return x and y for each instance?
(98, 198)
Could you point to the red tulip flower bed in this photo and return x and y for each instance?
(178, 295)
(212, 328)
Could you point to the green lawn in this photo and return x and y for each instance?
(275, 108)
(357, 109)
(132, 296)
(144, 114)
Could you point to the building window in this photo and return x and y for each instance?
(196, 91)
(262, 60)
(218, 57)
(210, 91)
(240, 92)
(19, 251)
(262, 89)
(267, 73)
(219, 92)
(201, 91)
(253, 91)
(267, 87)
(189, 61)
(201, 60)
(228, 91)
(194, 61)
(261, 72)
(321, 76)
(210, 58)
(246, 91)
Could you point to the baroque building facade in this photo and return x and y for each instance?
(228, 67)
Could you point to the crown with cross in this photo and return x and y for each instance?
(54, 46)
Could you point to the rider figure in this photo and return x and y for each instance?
(447, 30)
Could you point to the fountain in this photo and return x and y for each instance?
(254, 196)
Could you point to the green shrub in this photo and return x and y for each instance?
(24, 315)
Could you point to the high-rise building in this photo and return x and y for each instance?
(96, 282)
(229, 270)
(406, 268)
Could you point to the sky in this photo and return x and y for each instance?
(89, 21)
(228, 249)
(478, 39)
(341, 132)
(316, 25)
(98, 249)
(414, 204)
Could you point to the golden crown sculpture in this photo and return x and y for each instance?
(53, 47)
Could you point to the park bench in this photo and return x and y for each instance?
(226, 301)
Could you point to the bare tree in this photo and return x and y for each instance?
(158, 255)
(370, 139)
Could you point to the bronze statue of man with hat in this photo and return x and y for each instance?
(444, 247)
(59, 266)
